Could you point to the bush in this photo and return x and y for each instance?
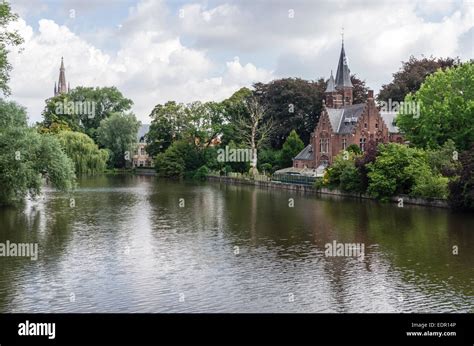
(201, 173)
(351, 180)
(461, 189)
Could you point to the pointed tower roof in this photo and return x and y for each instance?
(331, 84)
(343, 74)
(62, 87)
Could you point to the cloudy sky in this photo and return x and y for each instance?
(157, 50)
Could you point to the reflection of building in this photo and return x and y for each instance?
(342, 123)
(61, 88)
(141, 157)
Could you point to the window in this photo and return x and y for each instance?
(365, 125)
(376, 125)
(324, 145)
(362, 144)
(344, 144)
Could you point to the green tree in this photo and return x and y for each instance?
(167, 125)
(291, 103)
(292, 146)
(411, 75)
(461, 189)
(399, 169)
(8, 38)
(180, 158)
(87, 157)
(84, 108)
(446, 102)
(26, 157)
(118, 134)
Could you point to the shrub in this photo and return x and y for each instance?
(461, 189)
(201, 173)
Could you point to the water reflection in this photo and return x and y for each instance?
(136, 244)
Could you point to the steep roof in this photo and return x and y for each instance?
(343, 74)
(305, 154)
(389, 120)
(343, 120)
(331, 84)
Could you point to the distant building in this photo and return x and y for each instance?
(61, 88)
(343, 123)
(141, 157)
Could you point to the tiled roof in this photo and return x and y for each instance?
(305, 154)
(343, 120)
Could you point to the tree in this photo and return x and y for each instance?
(118, 134)
(180, 158)
(7, 38)
(87, 157)
(292, 146)
(461, 189)
(291, 103)
(411, 75)
(360, 90)
(446, 109)
(84, 108)
(399, 169)
(255, 130)
(234, 109)
(167, 125)
(26, 157)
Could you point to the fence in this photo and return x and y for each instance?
(294, 179)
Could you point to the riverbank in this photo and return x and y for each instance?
(434, 202)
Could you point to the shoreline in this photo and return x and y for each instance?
(434, 203)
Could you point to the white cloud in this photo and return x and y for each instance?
(158, 56)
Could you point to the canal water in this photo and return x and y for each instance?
(139, 244)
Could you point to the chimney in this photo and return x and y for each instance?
(370, 94)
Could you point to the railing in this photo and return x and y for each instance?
(294, 179)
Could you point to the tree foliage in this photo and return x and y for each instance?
(446, 102)
(293, 104)
(411, 75)
(26, 157)
(8, 38)
(87, 157)
(292, 146)
(118, 134)
(84, 108)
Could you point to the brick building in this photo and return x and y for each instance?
(343, 123)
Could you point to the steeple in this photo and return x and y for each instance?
(343, 74)
(343, 77)
(62, 87)
(331, 85)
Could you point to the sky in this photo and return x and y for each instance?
(154, 51)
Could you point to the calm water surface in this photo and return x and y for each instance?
(128, 246)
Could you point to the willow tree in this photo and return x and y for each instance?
(27, 156)
(86, 155)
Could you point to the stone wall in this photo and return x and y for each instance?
(438, 203)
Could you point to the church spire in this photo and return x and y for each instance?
(62, 87)
(343, 74)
